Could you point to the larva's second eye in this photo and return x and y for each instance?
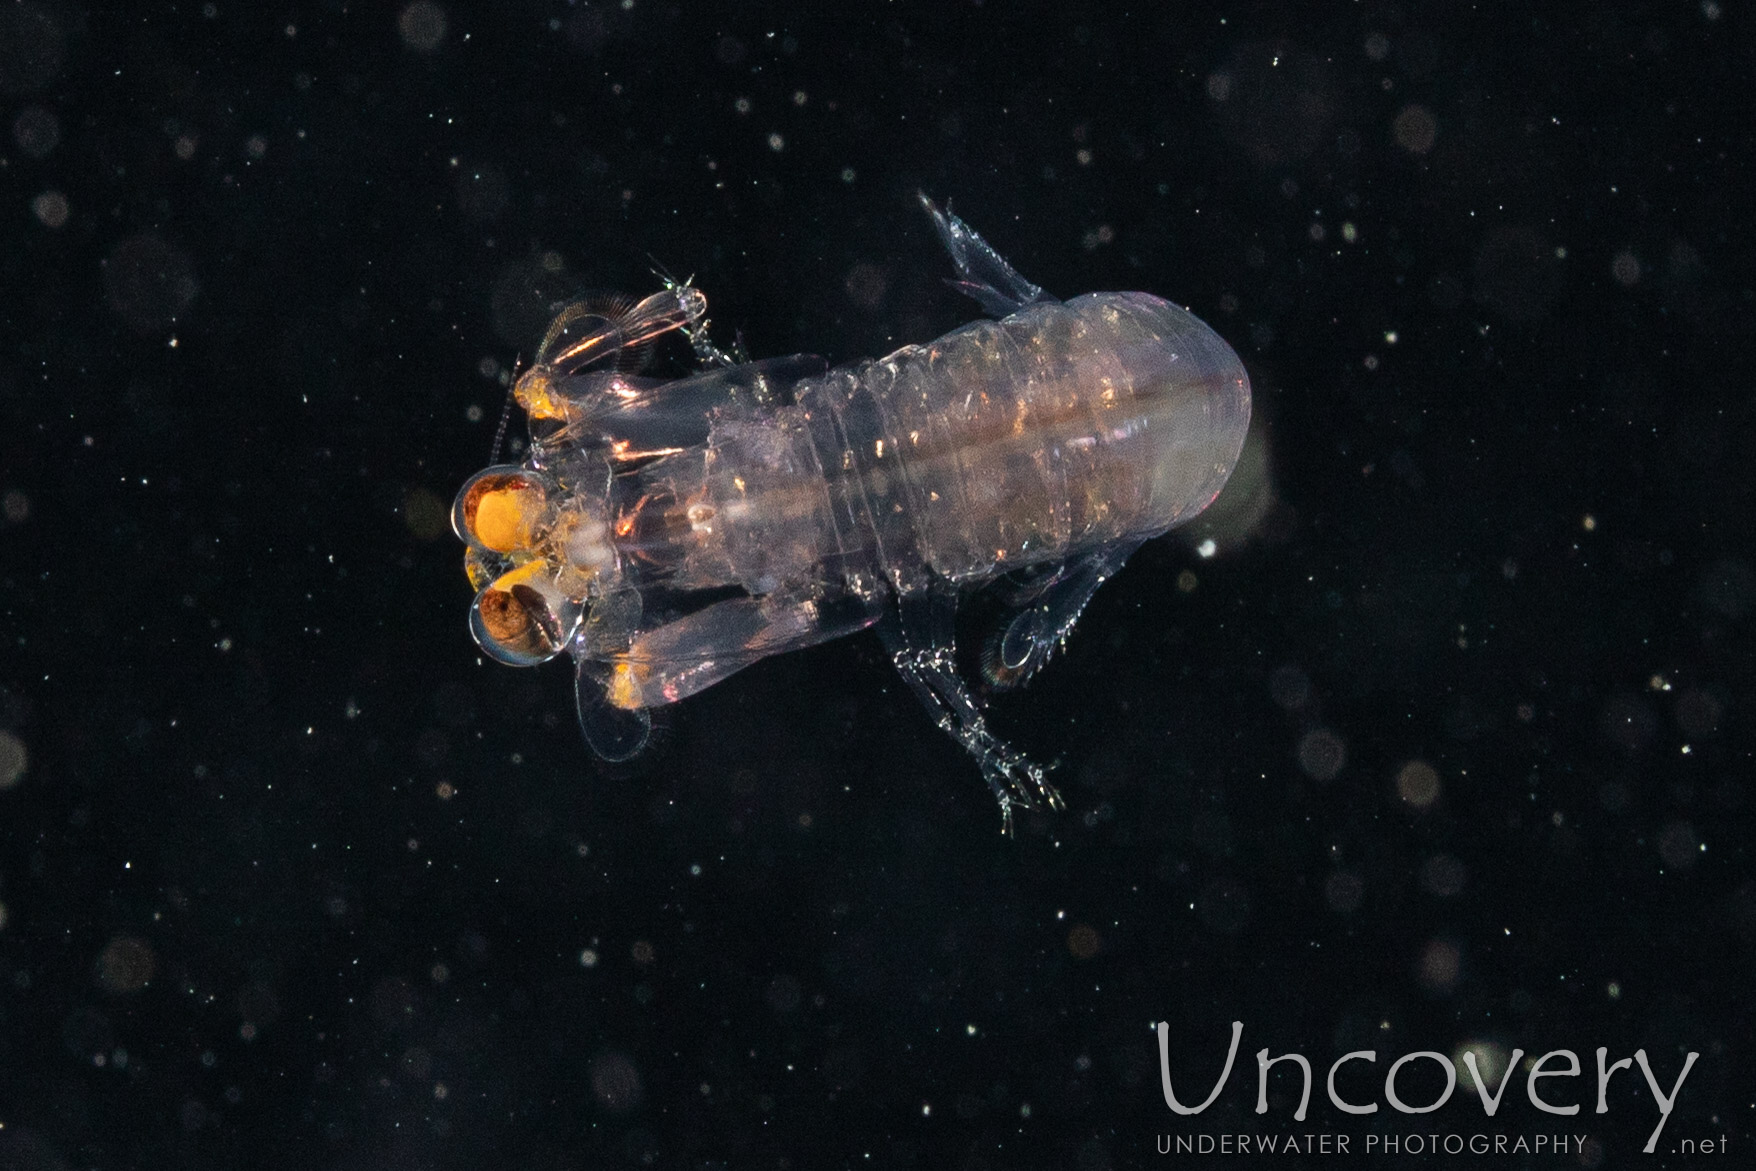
(521, 618)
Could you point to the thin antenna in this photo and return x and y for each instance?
(505, 417)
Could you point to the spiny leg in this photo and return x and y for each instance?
(919, 636)
(706, 352)
(984, 274)
(1044, 615)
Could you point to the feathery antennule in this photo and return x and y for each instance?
(505, 418)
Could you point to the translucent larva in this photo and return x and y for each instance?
(666, 533)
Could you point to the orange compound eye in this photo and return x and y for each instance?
(521, 619)
(500, 509)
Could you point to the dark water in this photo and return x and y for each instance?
(1446, 748)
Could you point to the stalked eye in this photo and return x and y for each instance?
(500, 509)
(521, 618)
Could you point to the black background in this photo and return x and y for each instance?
(291, 878)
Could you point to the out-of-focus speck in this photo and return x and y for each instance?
(1729, 588)
(1710, 9)
(1207, 548)
(784, 994)
(14, 506)
(643, 953)
(483, 192)
(422, 26)
(33, 47)
(588, 958)
(149, 282)
(1377, 46)
(1289, 687)
(14, 759)
(125, 965)
(256, 146)
(1186, 582)
(184, 147)
(1515, 272)
(1614, 796)
(426, 516)
(1678, 845)
(1625, 267)
(1083, 941)
(1485, 1060)
(1440, 965)
(1415, 129)
(351, 711)
(1417, 783)
(36, 131)
(799, 97)
(1698, 713)
(729, 50)
(1443, 875)
(775, 142)
(1588, 522)
(1613, 990)
(1628, 723)
(866, 285)
(615, 1082)
(847, 174)
(742, 105)
(1322, 754)
(1350, 232)
(1342, 892)
(1223, 906)
(50, 208)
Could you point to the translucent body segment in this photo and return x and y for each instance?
(615, 732)
(1060, 429)
(680, 658)
(657, 418)
(585, 335)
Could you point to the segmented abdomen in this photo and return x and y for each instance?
(1063, 428)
